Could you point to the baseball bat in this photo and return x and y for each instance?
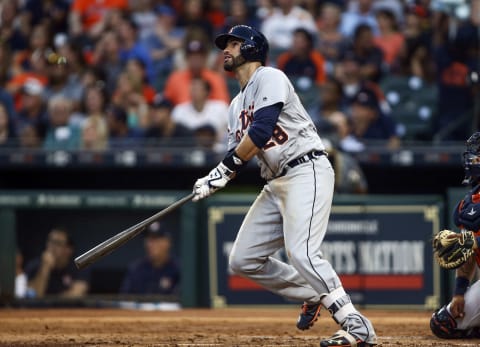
(108, 246)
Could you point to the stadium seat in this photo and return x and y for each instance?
(413, 106)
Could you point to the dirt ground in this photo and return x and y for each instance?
(199, 327)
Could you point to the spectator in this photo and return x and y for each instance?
(359, 12)
(331, 95)
(330, 39)
(156, 273)
(33, 109)
(144, 16)
(39, 43)
(206, 138)
(177, 84)
(201, 111)
(162, 130)
(12, 34)
(74, 56)
(368, 56)
(349, 177)
(94, 102)
(94, 134)
(238, 13)
(62, 83)
(54, 272)
(162, 42)
(20, 276)
(302, 60)
(279, 26)
(389, 40)
(6, 128)
(88, 19)
(348, 73)
(106, 58)
(61, 133)
(137, 74)
(53, 13)
(129, 95)
(120, 134)
(29, 137)
(455, 52)
(369, 123)
(38, 72)
(215, 13)
(131, 47)
(194, 17)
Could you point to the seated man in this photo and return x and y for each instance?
(157, 272)
(54, 272)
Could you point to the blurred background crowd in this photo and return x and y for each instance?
(105, 74)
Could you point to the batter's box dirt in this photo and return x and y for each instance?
(201, 327)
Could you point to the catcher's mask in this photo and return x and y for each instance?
(471, 159)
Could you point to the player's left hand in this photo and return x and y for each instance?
(215, 180)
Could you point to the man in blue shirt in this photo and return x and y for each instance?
(157, 272)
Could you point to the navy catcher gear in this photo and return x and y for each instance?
(471, 159)
(254, 46)
(444, 326)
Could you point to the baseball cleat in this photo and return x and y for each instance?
(343, 339)
(308, 316)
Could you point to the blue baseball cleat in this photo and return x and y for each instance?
(308, 316)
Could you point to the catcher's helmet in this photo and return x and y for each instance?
(471, 159)
(254, 46)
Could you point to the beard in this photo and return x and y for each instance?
(234, 63)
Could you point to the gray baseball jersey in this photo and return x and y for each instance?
(294, 134)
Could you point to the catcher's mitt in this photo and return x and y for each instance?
(452, 250)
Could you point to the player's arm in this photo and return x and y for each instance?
(39, 281)
(464, 274)
(259, 133)
(78, 288)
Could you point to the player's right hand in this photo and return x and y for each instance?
(457, 306)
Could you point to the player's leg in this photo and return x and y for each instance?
(444, 325)
(259, 237)
(306, 193)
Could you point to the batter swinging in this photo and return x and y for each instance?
(267, 120)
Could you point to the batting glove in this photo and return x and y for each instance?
(215, 180)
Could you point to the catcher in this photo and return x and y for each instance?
(461, 317)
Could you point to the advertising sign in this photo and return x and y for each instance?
(382, 254)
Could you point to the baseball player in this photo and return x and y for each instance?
(267, 120)
(461, 317)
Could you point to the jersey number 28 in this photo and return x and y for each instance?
(279, 137)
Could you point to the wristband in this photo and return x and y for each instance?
(233, 162)
(461, 285)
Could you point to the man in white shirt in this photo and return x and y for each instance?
(202, 111)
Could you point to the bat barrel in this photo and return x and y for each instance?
(108, 246)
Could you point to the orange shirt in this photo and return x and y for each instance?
(316, 58)
(177, 86)
(92, 11)
(390, 46)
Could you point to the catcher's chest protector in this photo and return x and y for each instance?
(467, 215)
(467, 212)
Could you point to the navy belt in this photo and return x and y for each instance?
(303, 159)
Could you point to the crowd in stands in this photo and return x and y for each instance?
(93, 75)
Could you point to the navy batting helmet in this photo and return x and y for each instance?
(254, 46)
(471, 159)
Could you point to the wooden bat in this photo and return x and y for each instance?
(108, 246)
